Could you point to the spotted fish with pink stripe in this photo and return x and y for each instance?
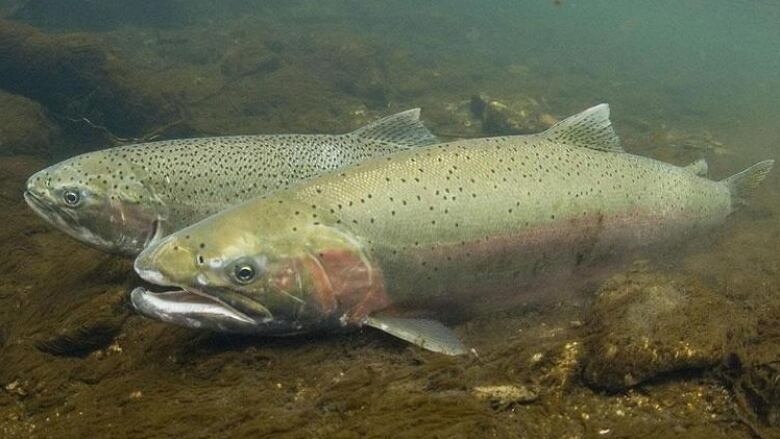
(458, 225)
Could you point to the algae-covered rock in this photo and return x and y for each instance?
(249, 59)
(643, 325)
(521, 116)
(25, 127)
(506, 394)
(351, 66)
(75, 76)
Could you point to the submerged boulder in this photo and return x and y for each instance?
(25, 128)
(76, 77)
(520, 116)
(249, 59)
(643, 325)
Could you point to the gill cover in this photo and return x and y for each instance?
(99, 201)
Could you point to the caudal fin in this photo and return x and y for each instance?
(743, 184)
(403, 129)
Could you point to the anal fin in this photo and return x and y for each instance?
(427, 334)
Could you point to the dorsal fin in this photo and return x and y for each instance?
(404, 129)
(699, 167)
(589, 129)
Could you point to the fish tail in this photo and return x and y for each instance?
(743, 184)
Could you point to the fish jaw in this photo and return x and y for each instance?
(310, 277)
(170, 263)
(191, 310)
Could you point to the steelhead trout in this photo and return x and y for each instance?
(455, 224)
(120, 199)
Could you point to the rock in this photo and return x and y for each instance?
(643, 325)
(24, 127)
(522, 116)
(477, 104)
(75, 76)
(16, 388)
(504, 395)
(249, 59)
(351, 66)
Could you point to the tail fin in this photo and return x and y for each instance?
(404, 129)
(742, 185)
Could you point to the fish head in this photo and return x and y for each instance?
(268, 265)
(98, 199)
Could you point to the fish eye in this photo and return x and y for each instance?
(244, 272)
(71, 197)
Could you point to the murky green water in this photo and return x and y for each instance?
(681, 345)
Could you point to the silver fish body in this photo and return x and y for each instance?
(464, 223)
(121, 199)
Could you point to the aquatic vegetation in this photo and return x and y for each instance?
(25, 127)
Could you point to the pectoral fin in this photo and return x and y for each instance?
(427, 334)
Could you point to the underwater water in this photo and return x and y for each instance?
(682, 341)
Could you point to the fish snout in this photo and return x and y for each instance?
(37, 185)
(166, 263)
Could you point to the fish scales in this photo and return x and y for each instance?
(135, 193)
(453, 216)
(462, 226)
(199, 177)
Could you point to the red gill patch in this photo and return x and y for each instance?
(344, 282)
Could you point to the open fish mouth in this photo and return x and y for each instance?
(186, 305)
(192, 310)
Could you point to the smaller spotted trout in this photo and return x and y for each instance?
(121, 199)
(446, 227)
